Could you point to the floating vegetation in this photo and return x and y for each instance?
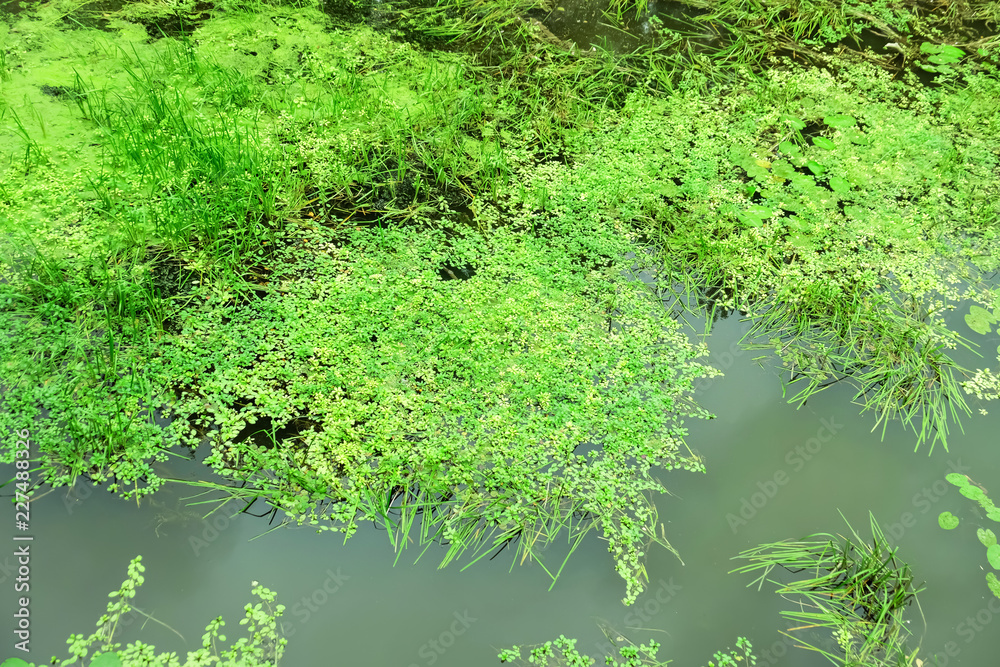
(986, 536)
(403, 266)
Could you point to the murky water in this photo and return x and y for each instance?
(773, 472)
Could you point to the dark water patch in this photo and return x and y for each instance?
(456, 272)
(177, 24)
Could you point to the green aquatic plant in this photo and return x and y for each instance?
(262, 646)
(563, 651)
(984, 384)
(858, 591)
(940, 58)
(986, 536)
(805, 251)
(405, 265)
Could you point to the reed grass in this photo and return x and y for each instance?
(858, 592)
(895, 357)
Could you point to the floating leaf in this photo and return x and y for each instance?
(802, 242)
(993, 514)
(782, 169)
(106, 660)
(980, 319)
(815, 167)
(942, 59)
(840, 121)
(17, 662)
(957, 478)
(953, 52)
(991, 581)
(993, 556)
(798, 224)
(986, 536)
(823, 142)
(840, 185)
(803, 182)
(972, 492)
(947, 520)
(856, 212)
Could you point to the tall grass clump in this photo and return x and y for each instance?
(857, 592)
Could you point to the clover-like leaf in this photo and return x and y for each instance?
(947, 520)
(986, 536)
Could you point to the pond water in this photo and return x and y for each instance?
(347, 604)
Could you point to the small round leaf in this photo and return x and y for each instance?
(947, 520)
(840, 185)
(980, 319)
(993, 556)
(987, 537)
